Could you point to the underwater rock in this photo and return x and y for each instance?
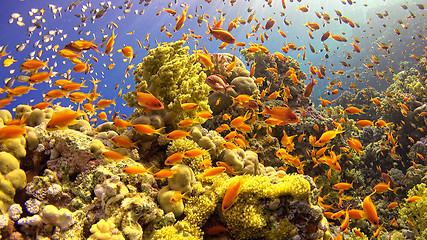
(5, 116)
(61, 218)
(183, 180)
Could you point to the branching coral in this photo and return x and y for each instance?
(416, 212)
(174, 77)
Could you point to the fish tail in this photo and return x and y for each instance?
(209, 27)
(158, 131)
(150, 169)
(266, 110)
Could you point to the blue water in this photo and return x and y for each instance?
(408, 42)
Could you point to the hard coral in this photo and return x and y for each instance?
(174, 77)
(11, 179)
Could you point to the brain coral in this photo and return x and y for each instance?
(174, 77)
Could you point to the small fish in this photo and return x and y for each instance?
(165, 173)
(353, 110)
(113, 155)
(174, 158)
(122, 141)
(177, 196)
(189, 106)
(413, 199)
(61, 120)
(342, 186)
(12, 131)
(195, 152)
(370, 210)
(213, 171)
(220, 34)
(149, 101)
(177, 134)
(136, 170)
(146, 129)
(231, 194)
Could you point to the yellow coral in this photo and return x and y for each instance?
(174, 77)
(171, 233)
(105, 230)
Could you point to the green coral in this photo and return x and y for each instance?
(416, 212)
(174, 77)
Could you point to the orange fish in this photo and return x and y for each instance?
(353, 110)
(186, 123)
(189, 106)
(61, 120)
(231, 194)
(393, 205)
(41, 105)
(113, 155)
(327, 136)
(146, 129)
(364, 123)
(149, 101)
(309, 88)
(213, 171)
(103, 103)
(174, 158)
(177, 134)
(355, 145)
(33, 65)
(413, 199)
(181, 20)
(103, 116)
(195, 152)
(110, 43)
(13, 131)
(382, 187)
(284, 114)
(120, 123)
(205, 115)
(136, 170)
(205, 164)
(342, 186)
(370, 210)
(122, 141)
(55, 93)
(164, 173)
(177, 196)
(220, 34)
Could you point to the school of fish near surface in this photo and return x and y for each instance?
(309, 105)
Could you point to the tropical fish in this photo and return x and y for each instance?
(165, 173)
(62, 119)
(146, 129)
(231, 194)
(136, 170)
(370, 210)
(218, 83)
(149, 101)
(284, 114)
(113, 155)
(220, 34)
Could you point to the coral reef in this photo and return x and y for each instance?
(174, 77)
(12, 178)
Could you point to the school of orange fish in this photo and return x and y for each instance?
(91, 105)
